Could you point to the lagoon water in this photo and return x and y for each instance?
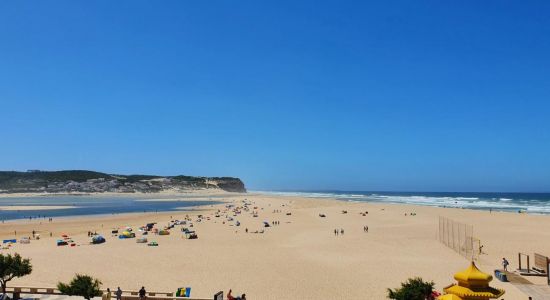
(90, 205)
(538, 203)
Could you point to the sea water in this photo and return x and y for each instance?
(96, 205)
(538, 203)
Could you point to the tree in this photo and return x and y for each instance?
(413, 289)
(81, 285)
(11, 267)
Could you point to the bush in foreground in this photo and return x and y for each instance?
(12, 266)
(81, 285)
(413, 289)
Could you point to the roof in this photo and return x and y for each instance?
(449, 297)
(472, 276)
(472, 284)
(465, 292)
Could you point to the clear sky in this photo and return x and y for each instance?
(348, 95)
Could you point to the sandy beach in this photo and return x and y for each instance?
(301, 258)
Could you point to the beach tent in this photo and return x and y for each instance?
(141, 240)
(183, 292)
(128, 234)
(191, 235)
(10, 241)
(25, 240)
(98, 239)
(266, 224)
(62, 243)
(164, 232)
(154, 244)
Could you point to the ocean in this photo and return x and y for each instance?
(535, 203)
(99, 205)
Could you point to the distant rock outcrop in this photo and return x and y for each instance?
(35, 181)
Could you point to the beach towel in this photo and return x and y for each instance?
(184, 292)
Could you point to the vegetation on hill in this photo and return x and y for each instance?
(90, 181)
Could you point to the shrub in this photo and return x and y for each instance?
(11, 267)
(412, 289)
(81, 285)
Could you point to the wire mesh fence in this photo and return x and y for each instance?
(459, 237)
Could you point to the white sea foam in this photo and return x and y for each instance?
(503, 204)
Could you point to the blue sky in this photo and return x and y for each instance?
(394, 95)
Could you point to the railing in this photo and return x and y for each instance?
(126, 295)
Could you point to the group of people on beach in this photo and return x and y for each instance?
(338, 232)
(118, 294)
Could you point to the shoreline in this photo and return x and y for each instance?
(218, 195)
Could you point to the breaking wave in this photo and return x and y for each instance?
(536, 203)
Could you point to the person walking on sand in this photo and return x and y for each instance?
(118, 294)
(142, 293)
(505, 264)
(342, 231)
(107, 295)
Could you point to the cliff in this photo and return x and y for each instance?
(96, 182)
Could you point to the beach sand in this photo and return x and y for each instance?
(299, 259)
